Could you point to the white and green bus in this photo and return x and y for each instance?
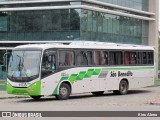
(61, 69)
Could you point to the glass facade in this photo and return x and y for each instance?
(99, 26)
(72, 24)
(135, 4)
(40, 25)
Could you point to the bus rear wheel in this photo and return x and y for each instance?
(123, 88)
(98, 93)
(64, 92)
(36, 97)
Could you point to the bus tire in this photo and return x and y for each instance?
(98, 93)
(64, 92)
(36, 97)
(123, 88)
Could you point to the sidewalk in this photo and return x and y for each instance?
(5, 95)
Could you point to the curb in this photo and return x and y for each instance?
(155, 102)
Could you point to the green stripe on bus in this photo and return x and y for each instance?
(82, 75)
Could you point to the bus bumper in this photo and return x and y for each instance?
(32, 90)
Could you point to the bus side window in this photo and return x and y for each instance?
(104, 58)
(126, 58)
(89, 57)
(132, 58)
(81, 58)
(144, 58)
(150, 57)
(48, 63)
(97, 57)
(129, 58)
(139, 58)
(66, 58)
(116, 58)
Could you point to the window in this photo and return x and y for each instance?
(84, 58)
(66, 58)
(140, 58)
(89, 57)
(144, 57)
(130, 58)
(3, 23)
(48, 63)
(150, 57)
(104, 58)
(115, 58)
(97, 57)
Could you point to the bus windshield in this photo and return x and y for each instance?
(24, 64)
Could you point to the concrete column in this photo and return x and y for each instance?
(153, 30)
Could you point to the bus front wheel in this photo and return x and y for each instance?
(123, 88)
(64, 92)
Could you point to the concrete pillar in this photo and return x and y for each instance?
(153, 30)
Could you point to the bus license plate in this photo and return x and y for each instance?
(22, 84)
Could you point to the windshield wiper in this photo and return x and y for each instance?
(21, 65)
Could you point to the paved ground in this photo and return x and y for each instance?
(135, 100)
(140, 97)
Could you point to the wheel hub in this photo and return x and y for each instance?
(63, 91)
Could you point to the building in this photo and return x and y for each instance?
(121, 21)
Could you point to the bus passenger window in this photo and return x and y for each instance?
(132, 58)
(115, 58)
(126, 58)
(140, 58)
(81, 58)
(97, 57)
(129, 58)
(104, 58)
(89, 57)
(66, 58)
(150, 57)
(144, 58)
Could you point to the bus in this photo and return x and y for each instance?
(62, 69)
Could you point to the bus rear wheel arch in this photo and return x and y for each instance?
(64, 91)
(123, 87)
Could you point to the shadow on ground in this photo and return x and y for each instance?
(88, 95)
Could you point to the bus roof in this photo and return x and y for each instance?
(85, 45)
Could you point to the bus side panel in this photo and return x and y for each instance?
(85, 79)
(142, 78)
(82, 79)
(49, 84)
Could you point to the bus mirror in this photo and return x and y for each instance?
(5, 56)
(4, 59)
